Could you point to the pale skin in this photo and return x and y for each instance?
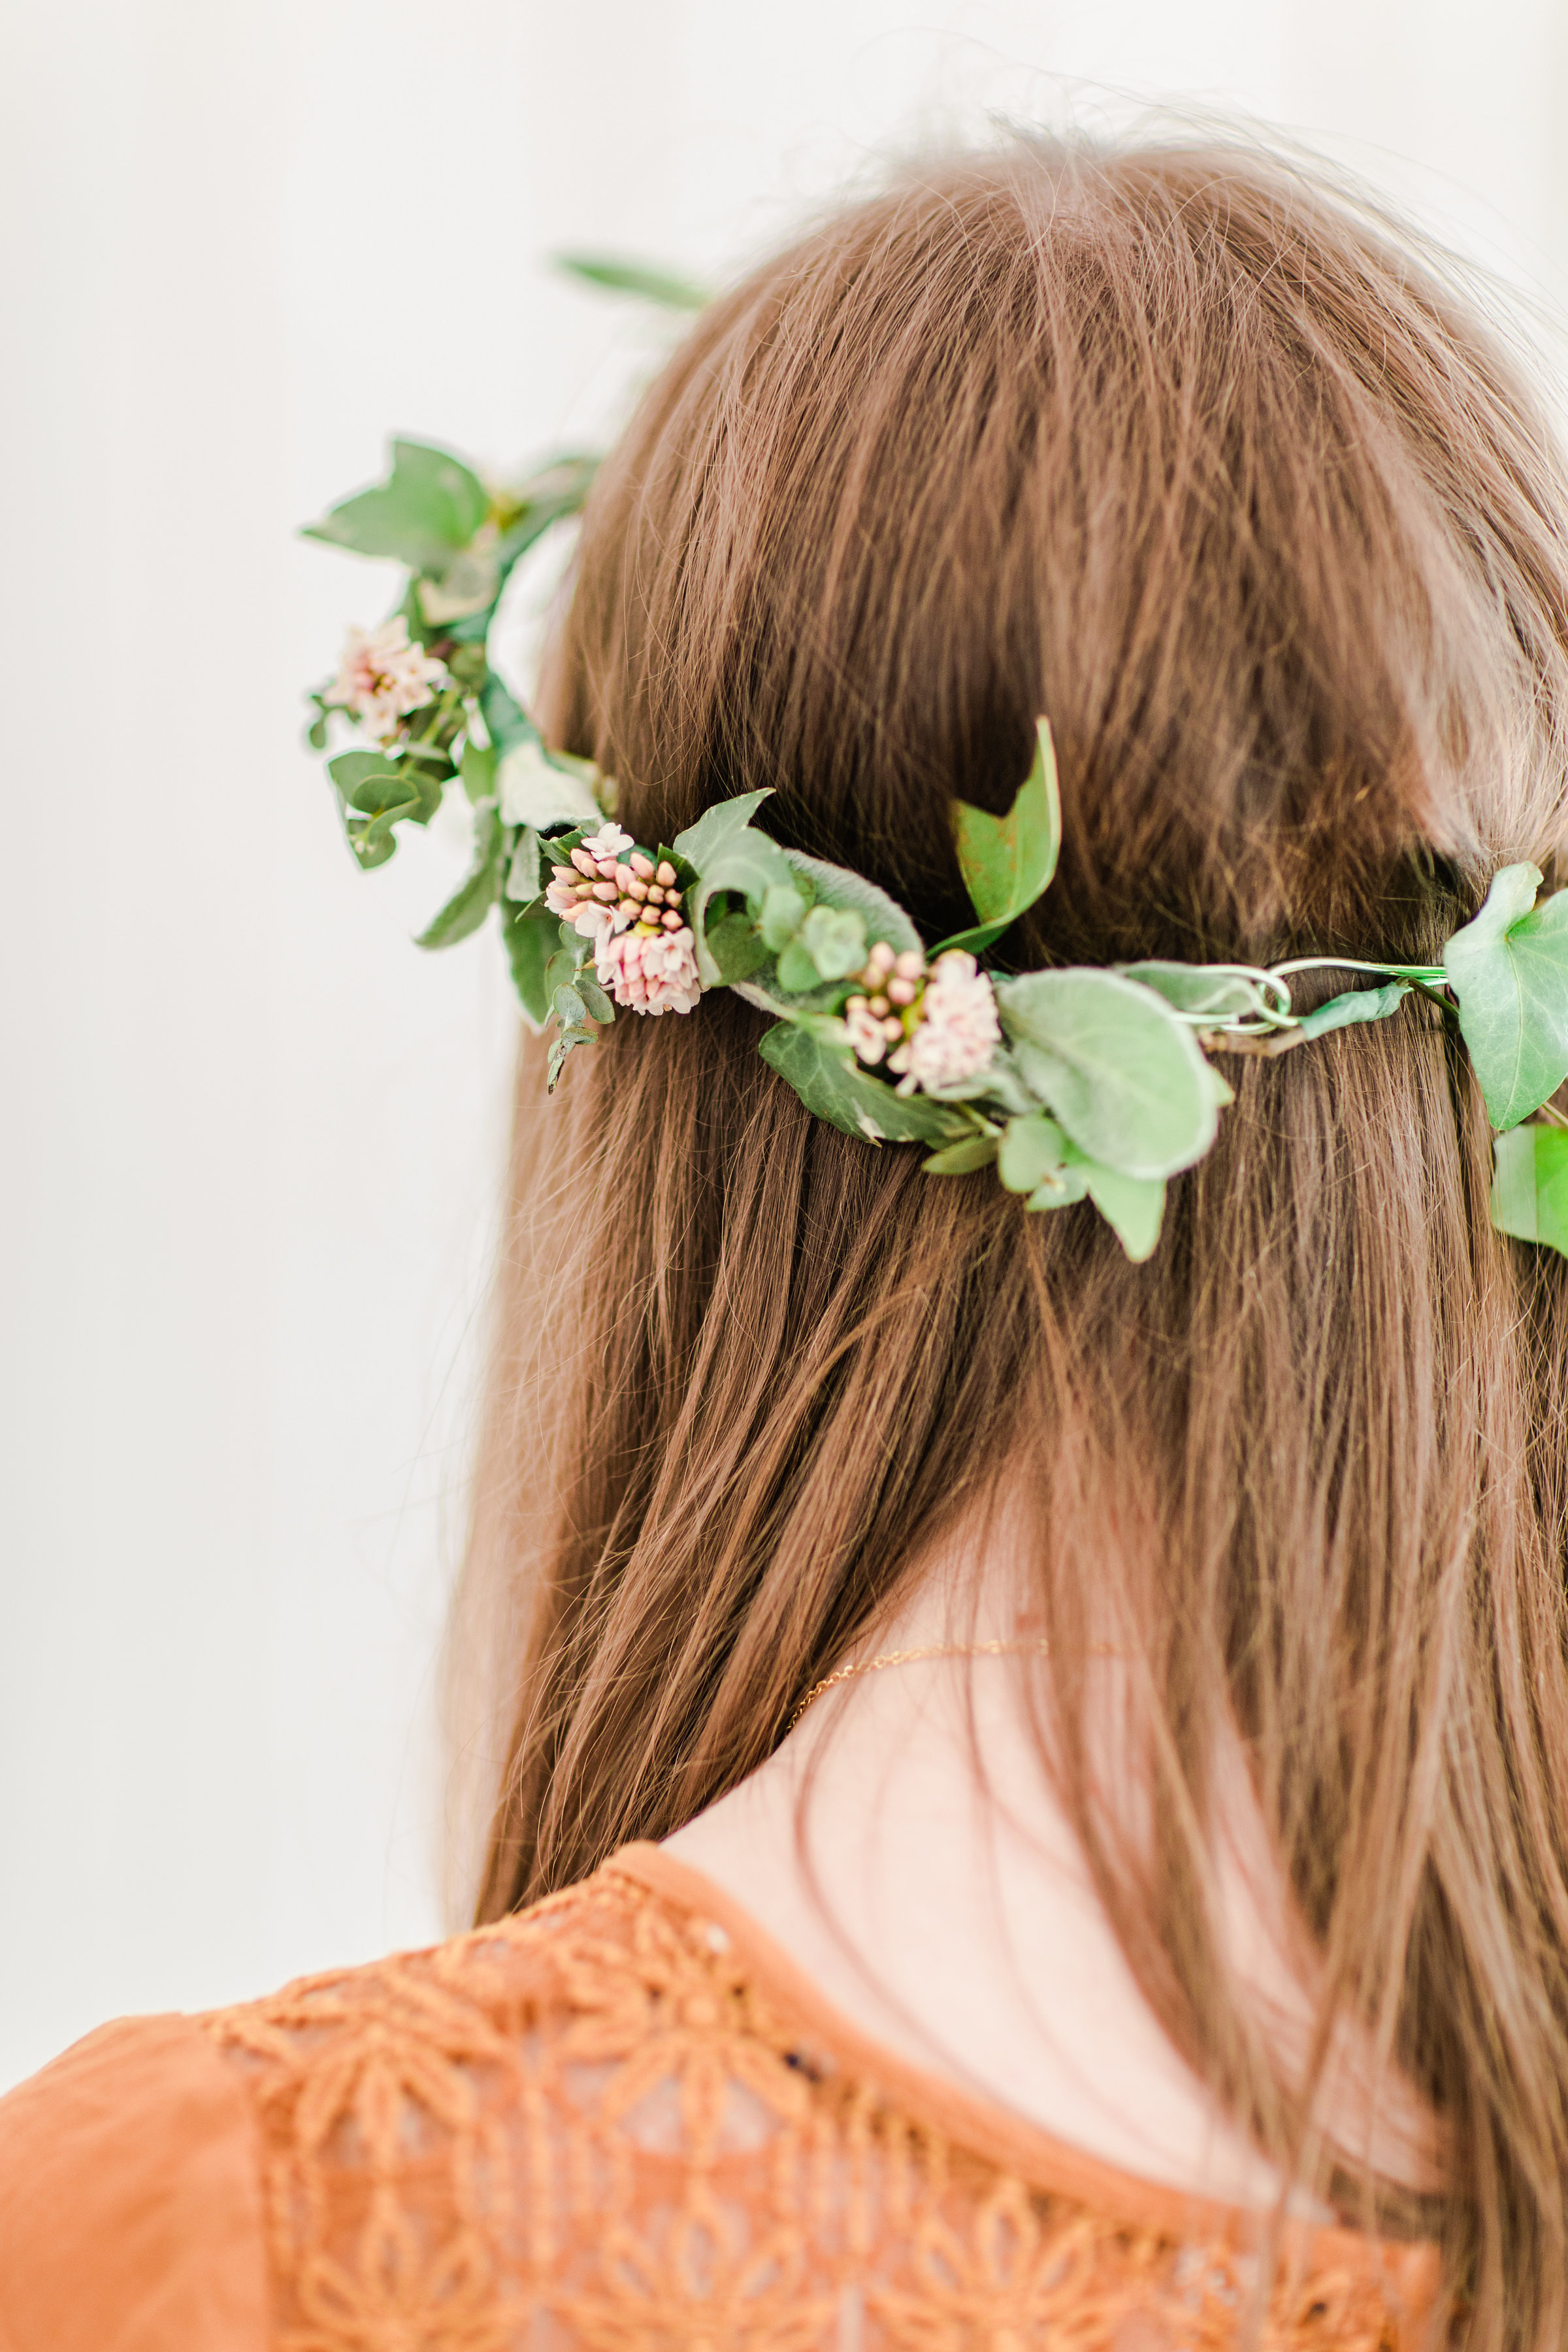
(948, 1913)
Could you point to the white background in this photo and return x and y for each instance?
(251, 1138)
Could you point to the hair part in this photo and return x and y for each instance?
(1182, 450)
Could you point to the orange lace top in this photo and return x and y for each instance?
(621, 2122)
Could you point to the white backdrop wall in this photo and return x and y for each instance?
(252, 1140)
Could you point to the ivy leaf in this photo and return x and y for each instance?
(1508, 969)
(727, 853)
(1007, 862)
(835, 886)
(736, 949)
(467, 907)
(1126, 1079)
(782, 913)
(1198, 988)
(828, 1082)
(538, 788)
(1530, 1187)
(611, 276)
(532, 934)
(962, 1158)
(1358, 1004)
(428, 509)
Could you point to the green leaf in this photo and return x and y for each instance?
(835, 939)
(531, 934)
(613, 276)
(507, 723)
(538, 788)
(727, 853)
(782, 913)
(962, 1158)
(736, 949)
(564, 1044)
(829, 1084)
(1126, 1079)
(478, 774)
(599, 1006)
(1199, 988)
(835, 886)
(1008, 861)
(372, 781)
(1530, 1188)
(1038, 1157)
(797, 974)
(570, 1009)
(429, 507)
(1508, 969)
(467, 908)
(1133, 1206)
(1358, 1004)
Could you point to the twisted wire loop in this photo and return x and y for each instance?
(601, 2127)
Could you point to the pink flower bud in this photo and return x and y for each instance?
(655, 895)
(672, 897)
(666, 874)
(606, 867)
(879, 1007)
(584, 890)
(881, 959)
(673, 921)
(900, 992)
(624, 874)
(636, 887)
(642, 866)
(607, 891)
(583, 861)
(855, 1004)
(909, 965)
(892, 1029)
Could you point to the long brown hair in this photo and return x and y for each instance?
(1195, 457)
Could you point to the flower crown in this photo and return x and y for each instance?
(1080, 1084)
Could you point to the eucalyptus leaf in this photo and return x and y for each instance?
(570, 1009)
(1038, 1157)
(531, 933)
(1530, 1187)
(1508, 969)
(1357, 1005)
(835, 939)
(1109, 1058)
(835, 886)
(1007, 862)
(797, 972)
(1133, 1206)
(830, 1085)
(429, 507)
(467, 907)
(600, 1006)
(962, 1158)
(564, 1044)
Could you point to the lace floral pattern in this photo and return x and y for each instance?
(591, 2129)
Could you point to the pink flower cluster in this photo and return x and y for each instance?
(940, 1024)
(616, 895)
(382, 676)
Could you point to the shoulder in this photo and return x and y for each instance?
(130, 2200)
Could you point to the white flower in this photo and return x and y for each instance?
(608, 841)
(652, 971)
(958, 1031)
(382, 677)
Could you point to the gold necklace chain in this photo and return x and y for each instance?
(907, 1657)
